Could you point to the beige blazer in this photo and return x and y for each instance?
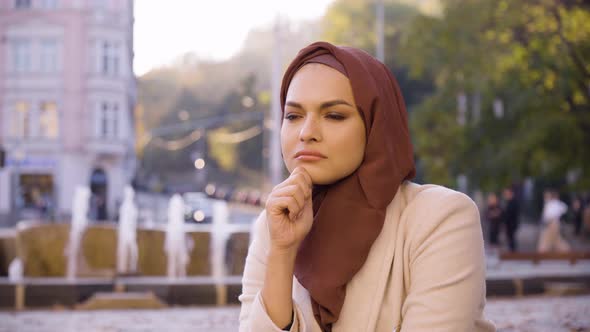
(425, 271)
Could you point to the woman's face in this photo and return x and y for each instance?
(322, 129)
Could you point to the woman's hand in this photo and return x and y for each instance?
(289, 216)
(289, 211)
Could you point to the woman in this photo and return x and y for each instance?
(550, 237)
(346, 242)
(494, 215)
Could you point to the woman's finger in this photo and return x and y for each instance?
(305, 173)
(293, 190)
(284, 205)
(301, 178)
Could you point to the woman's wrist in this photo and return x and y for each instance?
(282, 255)
(278, 283)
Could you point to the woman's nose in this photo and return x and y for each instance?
(310, 130)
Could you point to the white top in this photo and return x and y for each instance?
(553, 210)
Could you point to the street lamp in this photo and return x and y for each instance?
(200, 163)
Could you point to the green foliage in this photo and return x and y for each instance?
(441, 142)
(532, 55)
(352, 23)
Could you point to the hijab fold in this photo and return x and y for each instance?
(349, 214)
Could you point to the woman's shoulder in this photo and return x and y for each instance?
(419, 196)
(430, 207)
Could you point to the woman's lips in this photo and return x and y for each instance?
(309, 158)
(306, 155)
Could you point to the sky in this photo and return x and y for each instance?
(213, 29)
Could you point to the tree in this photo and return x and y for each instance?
(530, 55)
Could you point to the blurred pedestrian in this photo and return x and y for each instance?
(586, 212)
(577, 212)
(39, 203)
(494, 218)
(510, 217)
(550, 237)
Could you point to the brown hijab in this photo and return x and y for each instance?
(349, 214)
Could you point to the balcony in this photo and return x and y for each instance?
(35, 145)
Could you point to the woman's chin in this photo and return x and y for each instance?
(321, 179)
(319, 176)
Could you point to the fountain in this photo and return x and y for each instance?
(127, 235)
(220, 233)
(16, 270)
(79, 222)
(175, 244)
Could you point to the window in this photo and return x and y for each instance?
(107, 120)
(48, 61)
(30, 122)
(22, 4)
(109, 58)
(21, 124)
(21, 55)
(48, 120)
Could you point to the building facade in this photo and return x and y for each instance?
(67, 94)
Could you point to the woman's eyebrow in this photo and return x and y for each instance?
(334, 103)
(324, 105)
(294, 104)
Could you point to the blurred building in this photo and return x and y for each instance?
(67, 94)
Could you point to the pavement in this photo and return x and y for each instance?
(538, 314)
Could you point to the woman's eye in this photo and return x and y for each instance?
(335, 116)
(291, 117)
